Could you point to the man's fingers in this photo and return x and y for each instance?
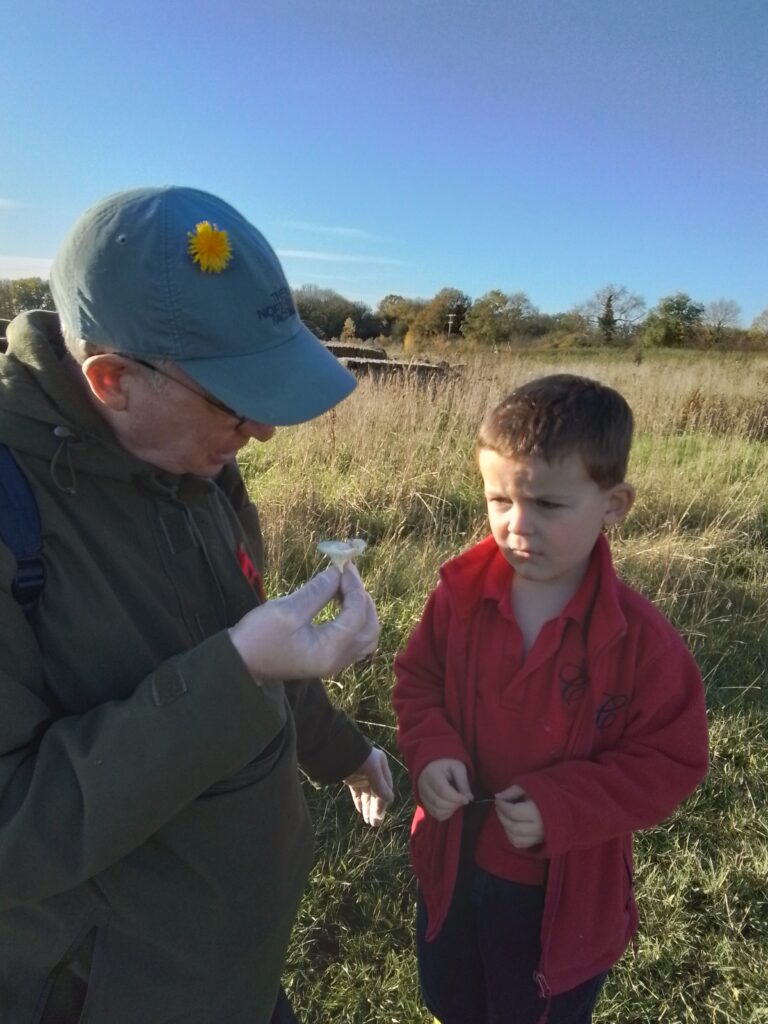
(350, 578)
(374, 775)
(358, 612)
(381, 784)
(308, 600)
(279, 639)
(355, 595)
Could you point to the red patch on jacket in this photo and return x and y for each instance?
(250, 572)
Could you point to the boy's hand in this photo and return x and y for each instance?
(371, 788)
(443, 787)
(519, 818)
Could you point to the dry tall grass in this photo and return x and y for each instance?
(394, 464)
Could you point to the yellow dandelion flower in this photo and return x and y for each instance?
(209, 247)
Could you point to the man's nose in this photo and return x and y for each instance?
(260, 431)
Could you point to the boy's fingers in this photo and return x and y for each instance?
(519, 813)
(460, 780)
(511, 793)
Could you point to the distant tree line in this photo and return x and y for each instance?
(23, 293)
(498, 320)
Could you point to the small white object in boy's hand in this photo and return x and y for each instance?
(341, 551)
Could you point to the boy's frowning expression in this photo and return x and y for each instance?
(547, 516)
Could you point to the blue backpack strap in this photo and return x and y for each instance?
(20, 531)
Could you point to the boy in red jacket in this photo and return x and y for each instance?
(546, 711)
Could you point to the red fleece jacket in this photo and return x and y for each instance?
(637, 748)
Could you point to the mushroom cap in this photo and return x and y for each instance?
(341, 551)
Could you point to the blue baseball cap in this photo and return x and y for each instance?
(176, 273)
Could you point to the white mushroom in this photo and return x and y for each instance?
(341, 551)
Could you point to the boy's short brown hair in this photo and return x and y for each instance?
(555, 416)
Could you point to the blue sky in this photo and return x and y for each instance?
(544, 146)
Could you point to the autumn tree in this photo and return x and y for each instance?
(614, 311)
(607, 321)
(721, 317)
(442, 316)
(487, 321)
(759, 325)
(497, 319)
(23, 293)
(675, 322)
(348, 331)
(397, 314)
(324, 311)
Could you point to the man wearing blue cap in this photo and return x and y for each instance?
(154, 840)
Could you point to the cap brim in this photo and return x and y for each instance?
(289, 383)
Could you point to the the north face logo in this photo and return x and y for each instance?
(280, 309)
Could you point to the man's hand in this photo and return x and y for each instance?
(278, 640)
(443, 787)
(371, 787)
(519, 817)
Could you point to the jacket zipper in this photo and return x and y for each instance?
(555, 874)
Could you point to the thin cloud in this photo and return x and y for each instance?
(326, 229)
(9, 204)
(24, 266)
(348, 278)
(336, 257)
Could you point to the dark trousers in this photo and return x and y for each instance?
(480, 967)
(283, 1012)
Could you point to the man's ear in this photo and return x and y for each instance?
(108, 375)
(620, 500)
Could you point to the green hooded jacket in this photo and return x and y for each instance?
(154, 839)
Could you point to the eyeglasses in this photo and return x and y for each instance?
(240, 420)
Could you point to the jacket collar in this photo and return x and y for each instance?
(482, 572)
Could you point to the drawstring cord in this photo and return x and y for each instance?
(545, 993)
(63, 455)
(196, 533)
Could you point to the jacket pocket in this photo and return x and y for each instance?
(255, 770)
(66, 990)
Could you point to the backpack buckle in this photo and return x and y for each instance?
(29, 582)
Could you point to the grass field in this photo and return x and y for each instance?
(394, 464)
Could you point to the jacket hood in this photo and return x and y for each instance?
(44, 412)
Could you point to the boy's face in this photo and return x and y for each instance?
(546, 517)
